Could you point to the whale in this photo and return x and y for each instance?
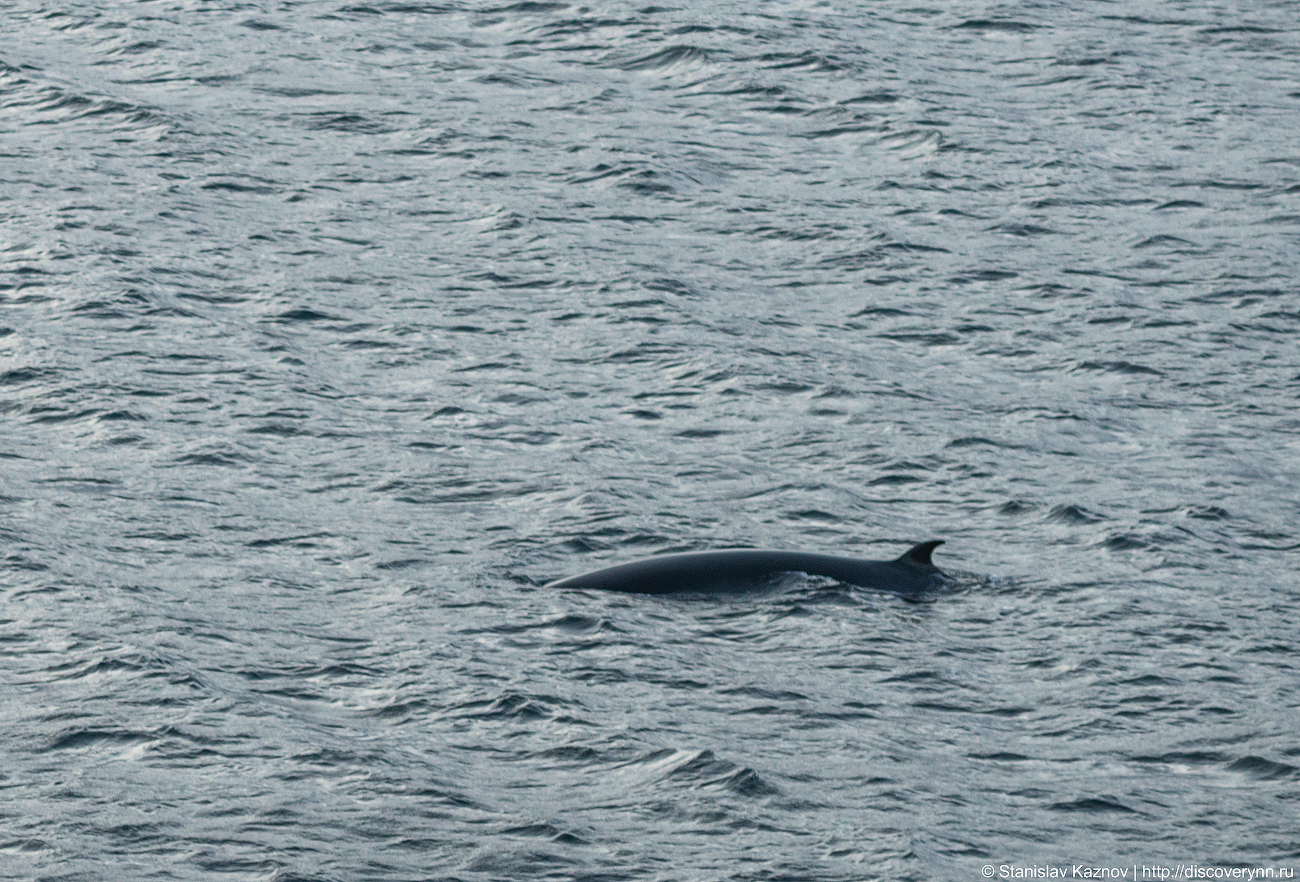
(738, 569)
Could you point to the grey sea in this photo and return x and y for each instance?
(331, 332)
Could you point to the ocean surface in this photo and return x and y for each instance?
(331, 332)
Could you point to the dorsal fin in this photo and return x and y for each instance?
(920, 554)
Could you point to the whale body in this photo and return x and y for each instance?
(740, 568)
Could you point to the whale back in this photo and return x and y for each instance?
(732, 570)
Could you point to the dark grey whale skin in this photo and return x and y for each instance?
(741, 568)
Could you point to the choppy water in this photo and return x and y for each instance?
(328, 333)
